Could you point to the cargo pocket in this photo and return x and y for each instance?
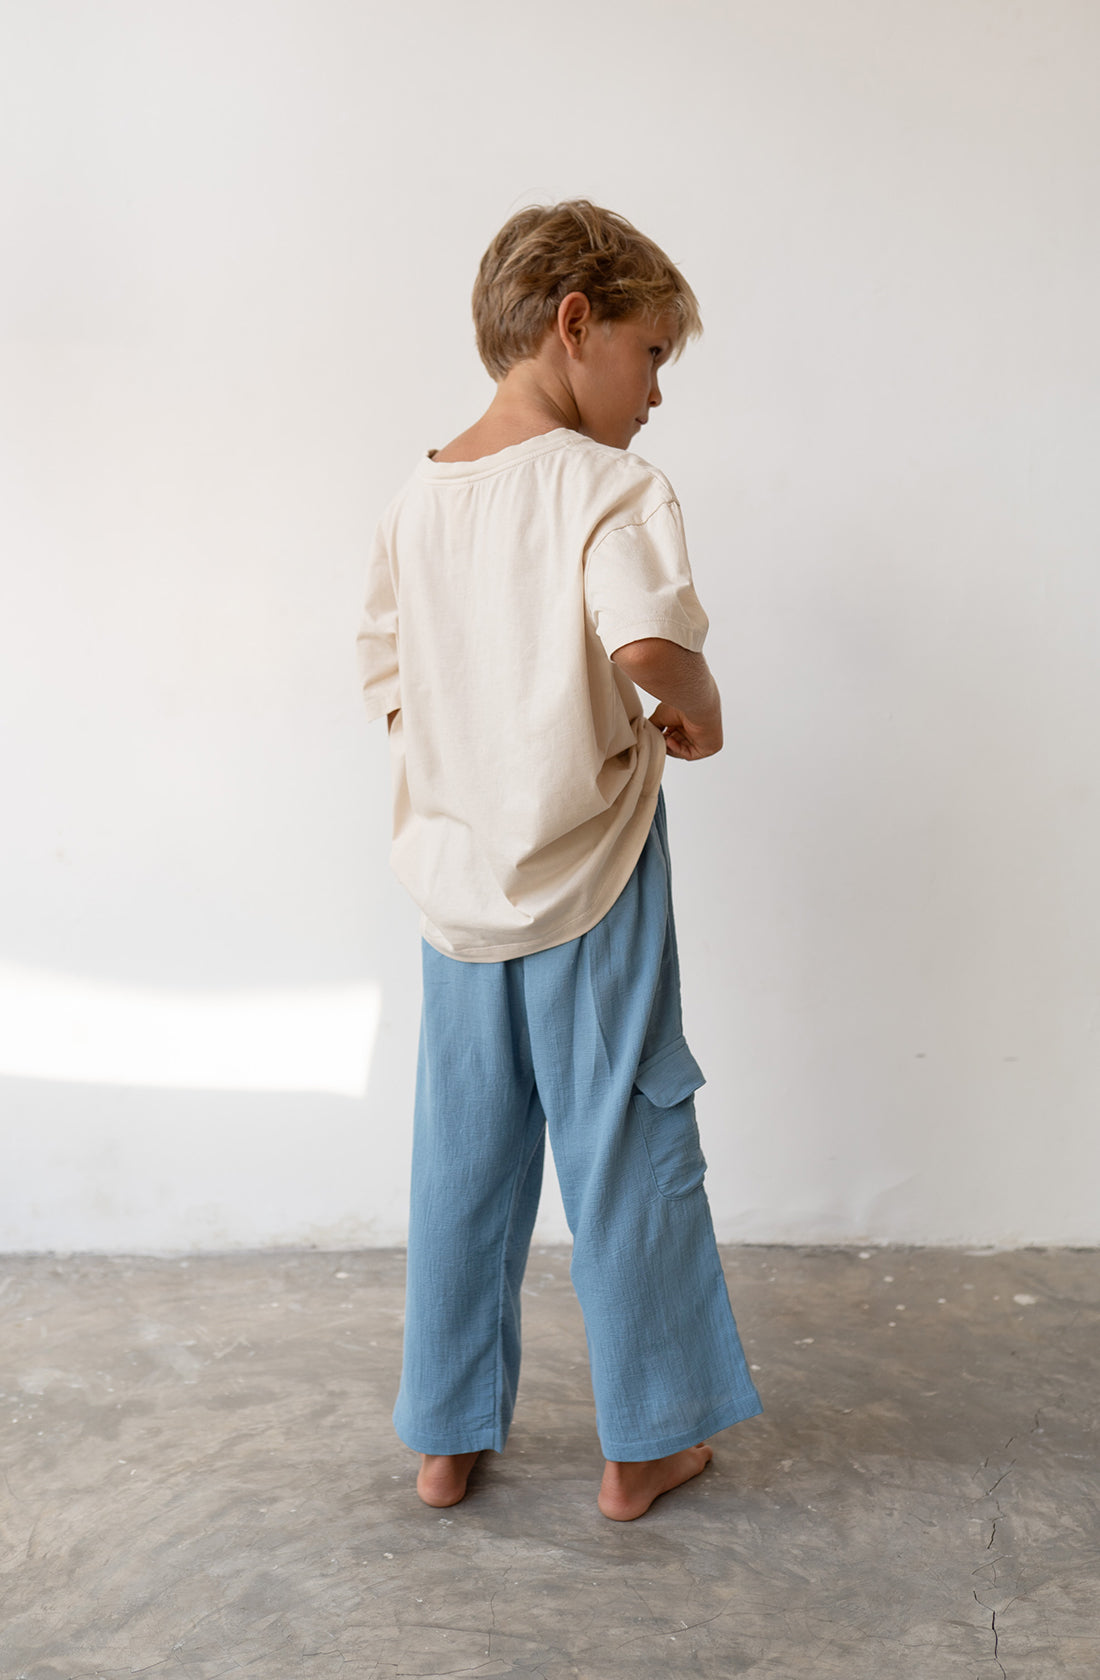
(664, 1088)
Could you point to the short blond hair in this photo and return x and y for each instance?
(544, 252)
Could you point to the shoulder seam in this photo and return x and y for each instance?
(666, 501)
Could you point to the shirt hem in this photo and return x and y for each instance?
(576, 926)
(616, 636)
(381, 705)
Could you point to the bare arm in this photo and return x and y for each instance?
(690, 711)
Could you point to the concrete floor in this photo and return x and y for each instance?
(201, 1480)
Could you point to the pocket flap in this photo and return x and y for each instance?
(669, 1076)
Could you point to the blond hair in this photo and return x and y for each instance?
(544, 252)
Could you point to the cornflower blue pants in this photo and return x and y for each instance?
(584, 1039)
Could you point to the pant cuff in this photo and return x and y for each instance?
(734, 1411)
(471, 1440)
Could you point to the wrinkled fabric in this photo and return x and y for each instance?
(584, 1041)
(525, 772)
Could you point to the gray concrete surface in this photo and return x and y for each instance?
(200, 1480)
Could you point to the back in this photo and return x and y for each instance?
(525, 772)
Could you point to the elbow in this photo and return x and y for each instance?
(639, 659)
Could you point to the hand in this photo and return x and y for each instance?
(686, 737)
(689, 715)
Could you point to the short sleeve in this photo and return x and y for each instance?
(638, 583)
(376, 642)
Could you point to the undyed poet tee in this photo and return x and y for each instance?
(525, 772)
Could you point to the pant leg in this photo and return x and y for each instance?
(616, 1080)
(478, 1140)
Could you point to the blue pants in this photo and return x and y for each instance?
(584, 1039)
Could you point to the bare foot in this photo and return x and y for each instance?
(442, 1478)
(629, 1489)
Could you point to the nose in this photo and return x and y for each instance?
(654, 393)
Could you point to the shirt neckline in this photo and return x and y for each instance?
(541, 444)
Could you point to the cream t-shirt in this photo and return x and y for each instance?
(525, 773)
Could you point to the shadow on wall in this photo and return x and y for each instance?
(56, 1027)
(138, 1120)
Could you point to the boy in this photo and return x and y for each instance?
(525, 577)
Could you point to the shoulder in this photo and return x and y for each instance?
(388, 520)
(621, 488)
(619, 471)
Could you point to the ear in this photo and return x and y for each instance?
(574, 322)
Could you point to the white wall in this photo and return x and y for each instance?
(240, 242)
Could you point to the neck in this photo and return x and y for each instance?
(534, 394)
